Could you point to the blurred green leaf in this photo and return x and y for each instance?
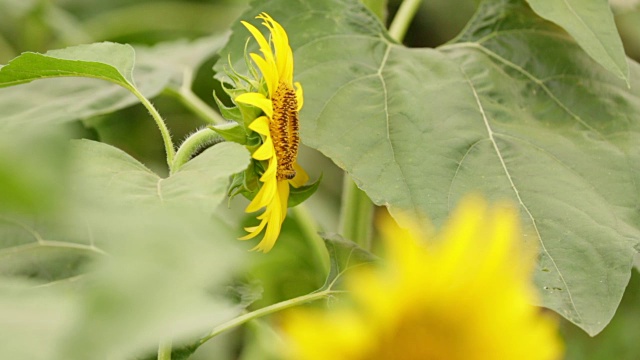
(31, 247)
(181, 58)
(591, 24)
(164, 272)
(147, 20)
(378, 7)
(107, 61)
(262, 342)
(28, 313)
(343, 254)
(556, 134)
(54, 101)
(32, 180)
(164, 279)
(201, 183)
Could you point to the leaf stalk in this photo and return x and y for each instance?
(268, 310)
(356, 214)
(403, 18)
(164, 131)
(191, 145)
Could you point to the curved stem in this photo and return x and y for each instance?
(191, 145)
(164, 131)
(356, 214)
(310, 231)
(402, 20)
(266, 311)
(164, 350)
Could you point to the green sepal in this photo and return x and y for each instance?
(299, 195)
(249, 113)
(232, 131)
(228, 112)
(246, 183)
(254, 140)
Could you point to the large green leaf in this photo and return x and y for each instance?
(134, 259)
(591, 24)
(107, 61)
(49, 251)
(32, 181)
(514, 109)
(53, 101)
(164, 277)
(201, 183)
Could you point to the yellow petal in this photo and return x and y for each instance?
(262, 42)
(301, 177)
(270, 173)
(263, 198)
(260, 125)
(299, 95)
(284, 56)
(258, 100)
(273, 228)
(269, 73)
(283, 195)
(253, 231)
(265, 151)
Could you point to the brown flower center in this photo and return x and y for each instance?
(284, 130)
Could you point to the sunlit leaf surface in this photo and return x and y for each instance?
(513, 108)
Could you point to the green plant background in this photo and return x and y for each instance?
(32, 183)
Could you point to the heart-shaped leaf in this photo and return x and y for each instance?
(513, 108)
(201, 183)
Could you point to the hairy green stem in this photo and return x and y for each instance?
(164, 131)
(310, 231)
(356, 214)
(164, 350)
(191, 145)
(403, 18)
(196, 105)
(266, 311)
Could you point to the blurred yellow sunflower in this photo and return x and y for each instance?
(280, 102)
(465, 296)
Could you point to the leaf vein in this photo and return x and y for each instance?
(515, 189)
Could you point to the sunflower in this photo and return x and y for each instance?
(280, 100)
(466, 296)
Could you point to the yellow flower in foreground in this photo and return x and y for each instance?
(280, 103)
(466, 297)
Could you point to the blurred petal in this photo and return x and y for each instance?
(301, 177)
(299, 95)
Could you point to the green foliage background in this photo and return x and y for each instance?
(560, 112)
